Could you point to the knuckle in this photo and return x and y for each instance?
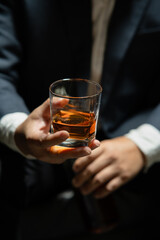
(118, 169)
(90, 158)
(98, 180)
(108, 188)
(125, 176)
(88, 171)
(76, 165)
(112, 187)
(112, 158)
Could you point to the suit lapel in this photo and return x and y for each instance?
(124, 23)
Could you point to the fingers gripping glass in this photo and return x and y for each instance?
(74, 106)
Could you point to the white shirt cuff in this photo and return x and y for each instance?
(147, 138)
(8, 125)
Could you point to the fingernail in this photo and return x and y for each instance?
(88, 150)
(64, 135)
(98, 143)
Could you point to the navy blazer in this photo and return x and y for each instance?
(45, 40)
(42, 41)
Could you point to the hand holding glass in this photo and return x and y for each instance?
(74, 106)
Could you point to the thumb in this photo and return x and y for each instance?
(54, 139)
(44, 108)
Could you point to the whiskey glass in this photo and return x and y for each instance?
(74, 107)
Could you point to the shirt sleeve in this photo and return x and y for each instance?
(8, 125)
(147, 138)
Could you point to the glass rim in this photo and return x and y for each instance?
(76, 79)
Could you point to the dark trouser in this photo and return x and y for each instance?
(134, 208)
(33, 207)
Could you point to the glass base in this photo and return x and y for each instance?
(75, 143)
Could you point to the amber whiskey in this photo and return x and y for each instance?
(80, 125)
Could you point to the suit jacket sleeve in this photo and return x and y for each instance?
(10, 61)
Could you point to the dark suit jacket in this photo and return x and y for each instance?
(42, 41)
(45, 40)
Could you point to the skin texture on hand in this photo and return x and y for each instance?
(108, 167)
(32, 137)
